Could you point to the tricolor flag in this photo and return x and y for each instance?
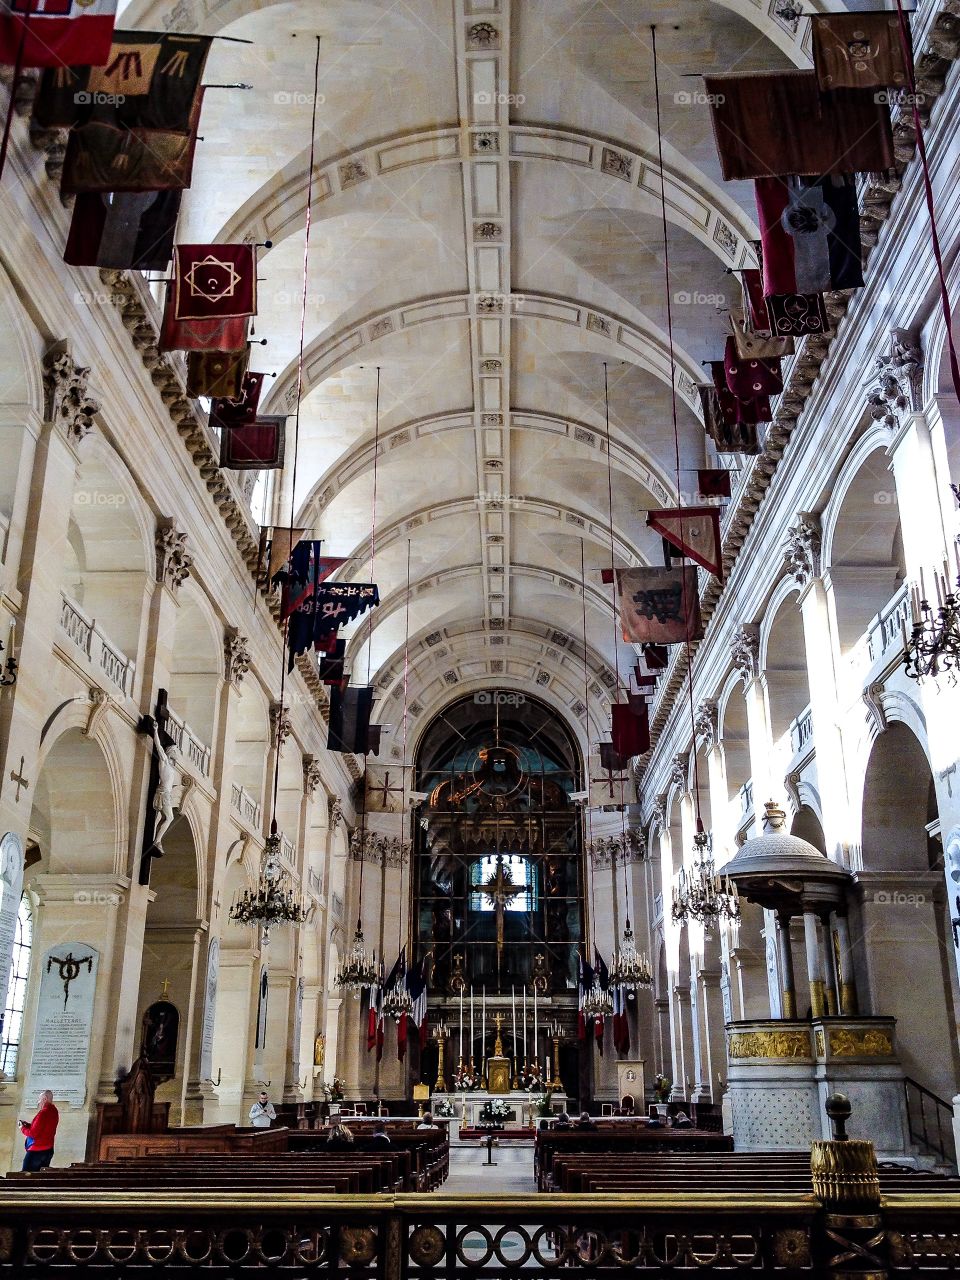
(602, 975)
(397, 981)
(621, 1024)
(375, 1017)
(56, 33)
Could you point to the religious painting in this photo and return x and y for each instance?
(659, 606)
(158, 1041)
(498, 1075)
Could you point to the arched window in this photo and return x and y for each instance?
(16, 989)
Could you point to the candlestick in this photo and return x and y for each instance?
(536, 1028)
(461, 1024)
(524, 1027)
(483, 1042)
(513, 1014)
(471, 1024)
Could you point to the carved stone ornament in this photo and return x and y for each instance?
(745, 650)
(876, 711)
(897, 393)
(483, 35)
(67, 402)
(371, 846)
(678, 770)
(336, 812)
(706, 722)
(312, 775)
(236, 656)
(801, 552)
(173, 558)
(280, 726)
(608, 851)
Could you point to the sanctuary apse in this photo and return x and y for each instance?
(480, 589)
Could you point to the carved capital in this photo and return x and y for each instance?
(706, 722)
(68, 403)
(896, 392)
(383, 851)
(312, 775)
(679, 769)
(280, 726)
(335, 810)
(173, 558)
(236, 656)
(873, 701)
(801, 552)
(745, 650)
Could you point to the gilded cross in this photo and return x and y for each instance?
(500, 889)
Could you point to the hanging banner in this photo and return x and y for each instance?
(124, 230)
(56, 33)
(858, 51)
(659, 606)
(810, 231)
(214, 281)
(713, 482)
(350, 719)
(256, 446)
(630, 730)
(693, 530)
(241, 410)
(218, 374)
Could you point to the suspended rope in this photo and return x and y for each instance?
(616, 650)
(296, 425)
(673, 407)
(586, 704)
(373, 554)
(403, 739)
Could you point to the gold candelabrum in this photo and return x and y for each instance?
(441, 1035)
(498, 1042)
(556, 1035)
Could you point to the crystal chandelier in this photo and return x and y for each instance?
(273, 901)
(630, 968)
(598, 1002)
(357, 969)
(704, 896)
(397, 1002)
(933, 644)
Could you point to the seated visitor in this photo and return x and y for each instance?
(380, 1137)
(586, 1121)
(426, 1121)
(340, 1138)
(682, 1121)
(563, 1121)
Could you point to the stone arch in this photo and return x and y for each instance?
(863, 545)
(735, 742)
(901, 924)
(78, 803)
(196, 665)
(783, 661)
(251, 741)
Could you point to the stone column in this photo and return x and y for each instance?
(802, 558)
(664, 1046)
(829, 967)
(849, 1005)
(785, 956)
(746, 655)
(818, 1000)
(713, 1053)
(682, 1048)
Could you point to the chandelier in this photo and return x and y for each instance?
(273, 901)
(397, 1002)
(630, 968)
(598, 1002)
(357, 969)
(704, 896)
(934, 642)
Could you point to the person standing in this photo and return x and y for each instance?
(263, 1112)
(40, 1133)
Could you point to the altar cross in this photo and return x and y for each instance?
(500, 889)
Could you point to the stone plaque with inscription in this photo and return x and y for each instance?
(11, 890)
(209, 1009)
(61, 1039)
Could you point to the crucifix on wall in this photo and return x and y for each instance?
(161, 785)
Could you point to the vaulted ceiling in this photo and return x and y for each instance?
(487, 232)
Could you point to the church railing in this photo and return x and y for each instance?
(99, 651)
(801, 731)
(244, 803)
(419, 1237)
(885, 632)
(189, 744)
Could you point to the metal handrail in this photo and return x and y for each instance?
(942, 1143)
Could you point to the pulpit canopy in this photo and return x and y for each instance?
(783, 872)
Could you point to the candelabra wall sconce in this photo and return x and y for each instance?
(932, 646)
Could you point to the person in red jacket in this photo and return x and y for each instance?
(40, 1134)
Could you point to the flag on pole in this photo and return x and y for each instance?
(602, 974)
(584, 983)
(56, 33)
(375, 1012)
(418, 990)
(621, 1025)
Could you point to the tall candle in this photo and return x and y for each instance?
(461, 1024)
(536, 1039)
(471, 1021)
(524, 1023)
(483, 1042)
(513, 1015)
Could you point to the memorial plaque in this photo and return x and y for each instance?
(209, 1009)
(11, 890)
(61, 1039)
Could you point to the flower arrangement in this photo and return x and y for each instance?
(543, 1104)
(334, 1090)
(661, 1088)
(444, 1108)
(494, 1111)
(466, 1079)
(532, 1081)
